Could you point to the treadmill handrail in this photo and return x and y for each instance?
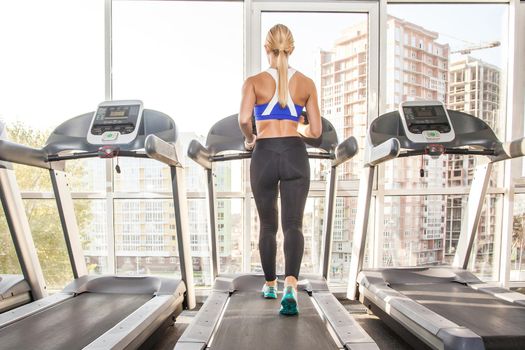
(510, 150)
(25, 155)
(200, 154)
(158, 149)
(345, 150)
(383, 152)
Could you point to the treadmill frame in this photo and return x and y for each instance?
(200, 332)
(18, 225)
(424, 324)
(167, 296)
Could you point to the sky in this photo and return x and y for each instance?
(311, 31)
(182, 58)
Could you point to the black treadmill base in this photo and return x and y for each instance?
(402, 332)
(490, 342)
(157, 336)
(251, 322)
(72, 324)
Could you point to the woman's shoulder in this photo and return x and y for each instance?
(257, 79)
(258, 76)
(304, 79)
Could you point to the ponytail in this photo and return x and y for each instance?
(280, 41)
(282, 71)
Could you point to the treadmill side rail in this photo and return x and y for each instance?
(14, 301)
(345, 326)
(130, 329)
(27, 310)
(432, 328)
(200, 331)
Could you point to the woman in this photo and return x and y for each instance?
(279, 163)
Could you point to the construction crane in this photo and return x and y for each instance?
(469, 49)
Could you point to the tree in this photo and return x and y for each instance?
(42, 215)
(518, 238)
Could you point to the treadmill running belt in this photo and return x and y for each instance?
(253, 322)
(501, 324)
(71, 324)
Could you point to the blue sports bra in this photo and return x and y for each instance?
(272, 109)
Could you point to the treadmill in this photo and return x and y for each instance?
(102, 312)
(235, 316)
(439, 307)
(17, 290)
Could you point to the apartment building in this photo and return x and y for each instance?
(417, 68)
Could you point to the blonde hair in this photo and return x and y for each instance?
(279, 41)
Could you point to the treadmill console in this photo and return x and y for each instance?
(115, 122)
(426, 121)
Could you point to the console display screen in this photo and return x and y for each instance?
(425, 112)
(421, 118)
(121, 118)
(117, 113)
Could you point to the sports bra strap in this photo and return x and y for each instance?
(275, 98)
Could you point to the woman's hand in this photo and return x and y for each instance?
(301, 128)
(249, 145)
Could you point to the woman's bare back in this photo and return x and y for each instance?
(300, 88)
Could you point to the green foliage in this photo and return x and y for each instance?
(518, 238)
(43, 215)
(8, 261)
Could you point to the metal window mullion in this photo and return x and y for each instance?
(514, 129)
(110, 218)
(108, 50)
(451, 2)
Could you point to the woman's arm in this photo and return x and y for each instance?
(246, 111)
(314, 127)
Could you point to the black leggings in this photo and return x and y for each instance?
(280, 164)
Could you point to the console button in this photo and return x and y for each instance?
(110, 136)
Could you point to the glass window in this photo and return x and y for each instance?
(48, 236)
(145, 237)
(485, 264)
(87, 175)
(142, 175)
(195, 174)
(29, 178)
(228, 176)
(229, 234)
(472, 82)
(517, 272)
(342, 235)
(200, 251)
(336, 58)
(162, 54)
(9, 263)
(92, 222)
(172, 71)
(424, 231)
(49, 74)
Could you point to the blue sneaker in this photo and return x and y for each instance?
(289, 302)
(269, 292)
